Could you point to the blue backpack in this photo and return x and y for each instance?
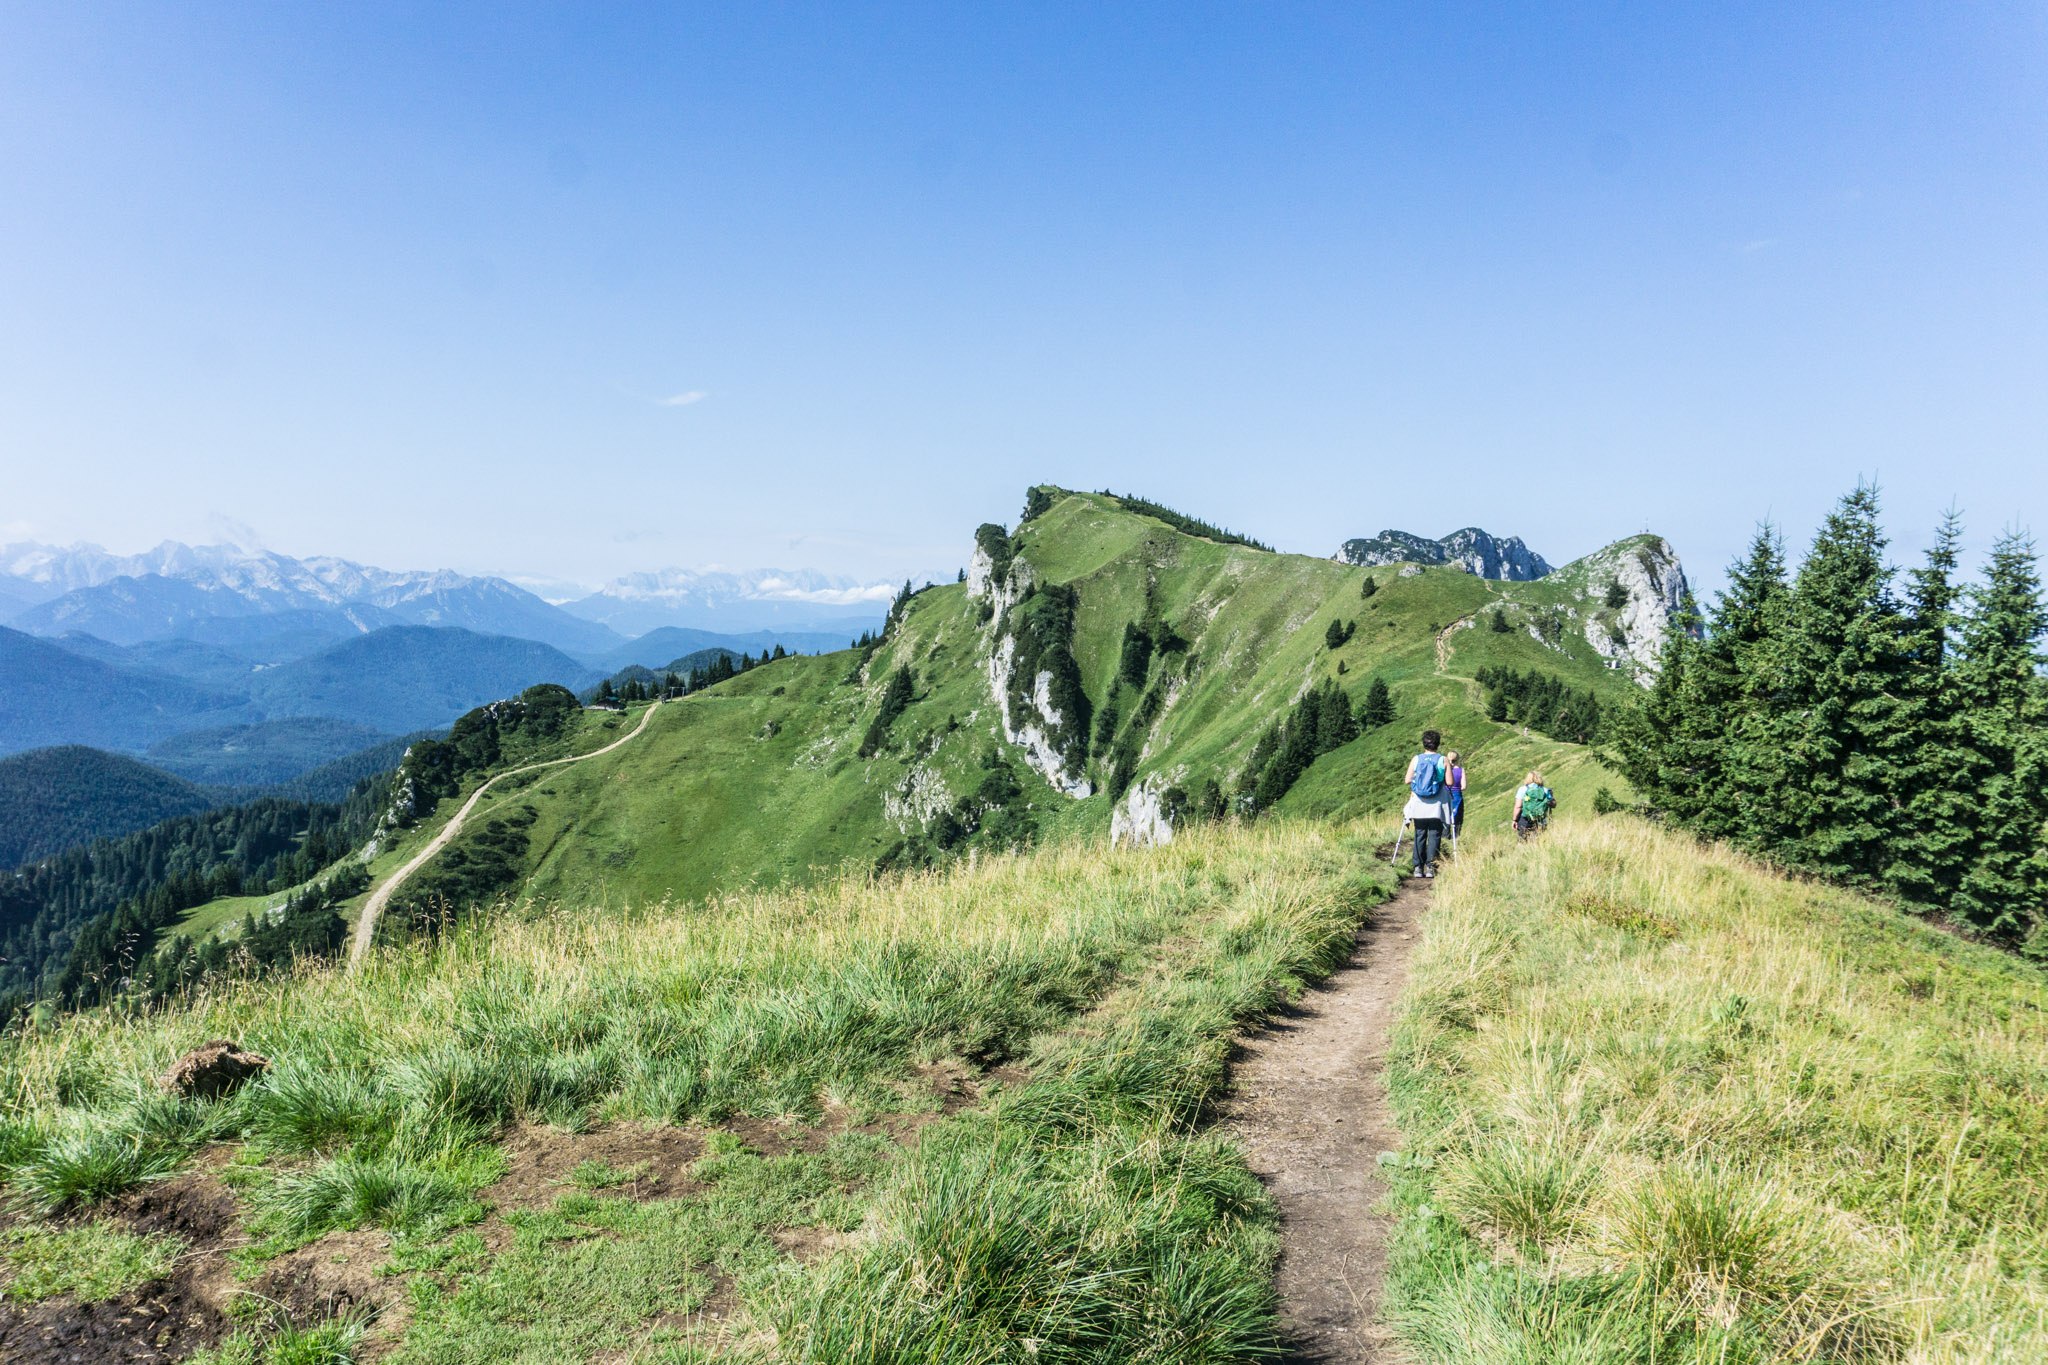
(1429, 778)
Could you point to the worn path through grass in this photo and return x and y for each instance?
(1313, 1115)
(366, 922)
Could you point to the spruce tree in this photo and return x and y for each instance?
(1937, 769)
(1724, 740)
(1369, 587)
(1335, 724)
(1379, 705)
(1835, 745)
(2004, 710)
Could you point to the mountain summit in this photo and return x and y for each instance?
(1471, 549)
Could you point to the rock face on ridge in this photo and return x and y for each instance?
(1471, 549)
(1030, 719)
(1652, 586)
(1140, 819)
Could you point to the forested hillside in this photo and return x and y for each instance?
(129, 889)
(55, 799)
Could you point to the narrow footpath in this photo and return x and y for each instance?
(1312, 1113)
(366, 922)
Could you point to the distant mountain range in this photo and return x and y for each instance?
(248, 599)
(1473, 550)
(779, 600)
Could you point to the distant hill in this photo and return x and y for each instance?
(1473, 550)
(410, 677)
(658, 647)
(332, 782)
(53, 696)
(57, 799)
(265, 753)
(208, 666)
(281, 636)
(366, 688)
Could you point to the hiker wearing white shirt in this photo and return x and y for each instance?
(1429, 802)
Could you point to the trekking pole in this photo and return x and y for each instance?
(1397, 844)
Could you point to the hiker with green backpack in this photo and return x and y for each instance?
(1429, 802)
(1533, 804)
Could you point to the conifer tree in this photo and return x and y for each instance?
(1723, 752)
(2004, 709)
(1938, 768)
(1378, 709)
(1368, 588)
(1336, 725)
(1836, 747)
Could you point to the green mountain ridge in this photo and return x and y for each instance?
(762, 779)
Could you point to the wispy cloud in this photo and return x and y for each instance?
(684, 399)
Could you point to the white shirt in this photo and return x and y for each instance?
(1419, 809)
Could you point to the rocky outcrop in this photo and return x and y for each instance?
(1031, 726)
(1028, 717)
(1000, 585)
(1652, 588)
(1140, 819)
(1471, 549)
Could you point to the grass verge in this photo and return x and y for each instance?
(1664, 1105)
(1079, 1206)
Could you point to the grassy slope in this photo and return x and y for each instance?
(1077, 1203)
(593, 730)
(1676, 1107)
(758, 781)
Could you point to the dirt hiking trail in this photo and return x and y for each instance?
(1311, 1110)
(366, 922)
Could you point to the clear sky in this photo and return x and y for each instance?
(581, 289)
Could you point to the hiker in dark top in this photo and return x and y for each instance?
(1429, 802)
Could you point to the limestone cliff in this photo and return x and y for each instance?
(1471, 549)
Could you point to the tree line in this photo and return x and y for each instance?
(1541, 701)
(1892, 735)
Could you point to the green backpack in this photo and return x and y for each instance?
(1536, 802)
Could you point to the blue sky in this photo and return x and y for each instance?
(578, 290)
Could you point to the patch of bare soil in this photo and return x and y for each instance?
(541, 1159)
(162, 1321)
(1311, 1110)
(333, 1277)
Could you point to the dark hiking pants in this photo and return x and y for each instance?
(1428, 834)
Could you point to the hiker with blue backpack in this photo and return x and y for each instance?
(1429, 802)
